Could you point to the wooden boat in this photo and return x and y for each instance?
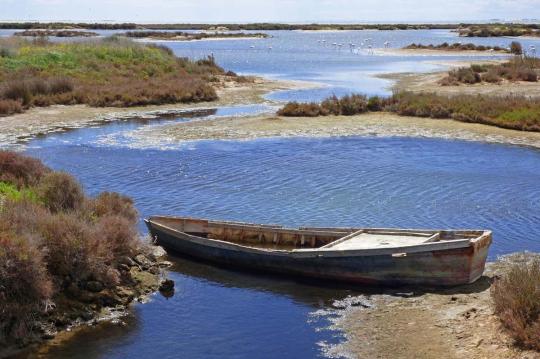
(360, 255)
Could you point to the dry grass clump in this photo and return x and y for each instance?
(110, 72)
(60, 192)
(516, 297)
(347, 106)
(21, 170)
(56, 241)
(517, 69)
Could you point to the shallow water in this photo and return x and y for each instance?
(380, 182)
(362, 181)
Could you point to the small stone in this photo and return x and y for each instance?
(127, 261)
(165, 264)
(144, 262)
(154, 270)
(166, 285)
(157, 252)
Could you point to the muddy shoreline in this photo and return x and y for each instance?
(40, 121)
(450, 323)
(370, 124)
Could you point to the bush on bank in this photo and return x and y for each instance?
(513, 112)
(516, 298)
(57, 245)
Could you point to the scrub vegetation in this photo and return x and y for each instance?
(516, 298)
(513, 112)
(110, 72)
(517, 69)
(457, 46)
(59, 249)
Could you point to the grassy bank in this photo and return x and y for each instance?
(63, 255)
(517, 69)
(186, 36)
(512, 112)
(109, 72)
(456, 47)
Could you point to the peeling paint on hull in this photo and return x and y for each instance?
(438, 267)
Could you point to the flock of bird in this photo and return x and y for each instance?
(368, 44)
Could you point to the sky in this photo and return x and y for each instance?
(211, 11)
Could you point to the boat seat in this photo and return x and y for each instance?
(368, 240)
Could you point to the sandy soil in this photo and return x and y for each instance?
(39, 121)
(454, 323)
(428, 52)
(372, 124)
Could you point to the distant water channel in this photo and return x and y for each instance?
(360, 181)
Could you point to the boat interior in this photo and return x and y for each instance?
(278, 237)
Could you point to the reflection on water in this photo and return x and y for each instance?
(215, 313)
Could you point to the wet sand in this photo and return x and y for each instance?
(371, 124)
(42, 120)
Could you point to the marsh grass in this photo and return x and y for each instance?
(110, 72)
(513, 112)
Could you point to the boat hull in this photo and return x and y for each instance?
(442, 267)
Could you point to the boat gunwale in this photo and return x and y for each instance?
(328, 252)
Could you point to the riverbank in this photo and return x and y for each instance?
(370, 124)
(43, 120)
(452, 323)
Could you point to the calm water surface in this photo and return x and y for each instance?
(394, 182)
